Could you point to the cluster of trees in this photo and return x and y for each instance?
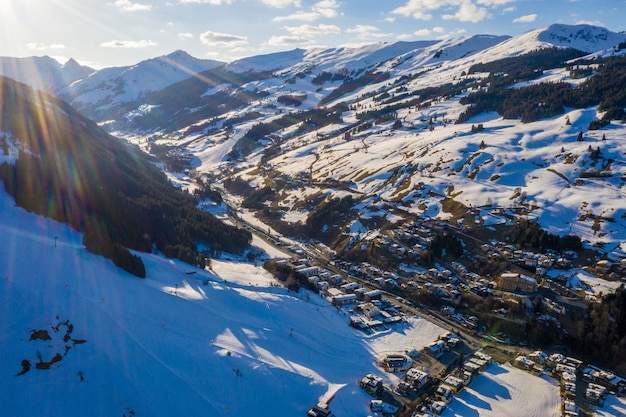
(292, 99)
(310, 119)
(102, 245)
(529, 234)
(538, 101)
(326, 219)
(603, 338)
(78, 174)
(326, 76)
(352, 84)
(448, 242)
(288, 275)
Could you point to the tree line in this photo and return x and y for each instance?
(534, 102)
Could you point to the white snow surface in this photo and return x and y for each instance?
(506, 391)
(168, 344)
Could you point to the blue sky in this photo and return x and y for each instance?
(123, 32)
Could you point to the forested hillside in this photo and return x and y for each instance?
(65, 167)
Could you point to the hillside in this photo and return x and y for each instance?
(226, 342)
(402, 132)
(59, 164)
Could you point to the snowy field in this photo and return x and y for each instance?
(506, 391)
(227, 342)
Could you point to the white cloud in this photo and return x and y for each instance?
(281, 3)
(302, 16)
(38, 46)
(468, 12)
(312, 30)
(591, 23)
(327, 8)
(128, 44)
(222, 39)
(213, 2)
(422, 32)
(184, 36)
(419, 9)
(287, 40)
(321, 9)
(367, 31)
(525, 19)
(405, 37)
(128, 6)
(495, 2)
(438, 29)
(509, 9)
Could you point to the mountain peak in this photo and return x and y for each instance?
(583, 37)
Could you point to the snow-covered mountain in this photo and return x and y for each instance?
(43, 73)
(428, 156)
(110, 88)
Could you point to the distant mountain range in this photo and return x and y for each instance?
(407, 113)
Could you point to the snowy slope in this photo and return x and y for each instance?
(498, 392)
(169, 345)
(109, 87)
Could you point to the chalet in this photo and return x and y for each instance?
(314, 279)
(349, 287)
(451, 339)
(444, 392)
(539, 357)
(470, 371)
(522, 362)
(369, 310)
(437, 407)
(383, 407)
(417, 377)
(360, 292)
(373, 295)
(483, 356)
(517, 282)
(308, 271)
(573, 362)
(319, 410)
(554, 359)
(570, 409)
(481, 363)
(568, 390)
(455, 383)
(344, 299)
(594, 396)
(396, 362)
(334, 292)
(562, 368)
(435, 349)
(390, 283)
(603, 267)
(372, 384)
(335, 280)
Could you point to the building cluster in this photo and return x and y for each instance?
(444, 390)
(575, 378)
